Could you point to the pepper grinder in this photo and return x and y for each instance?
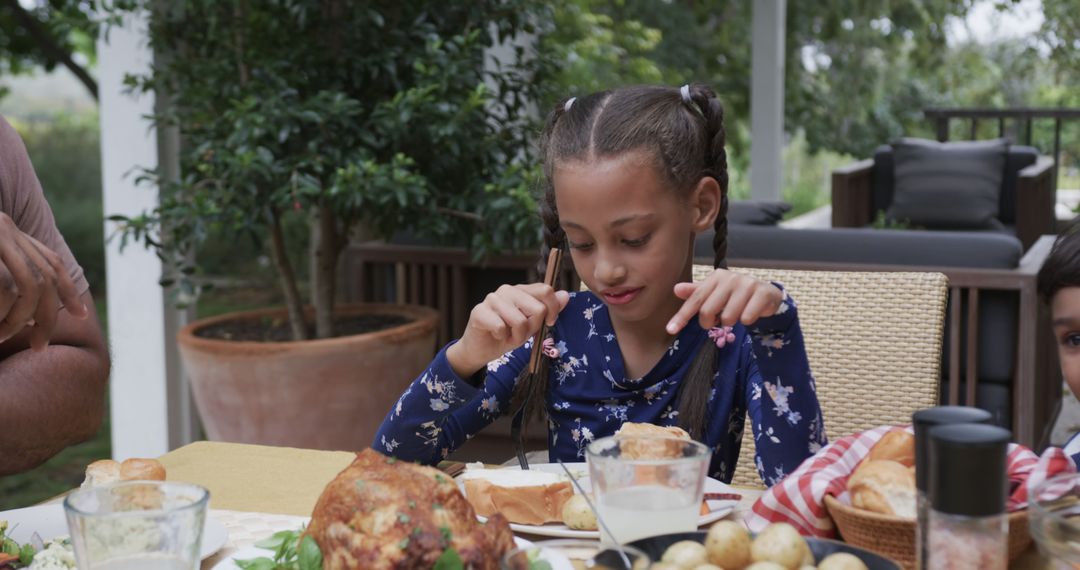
(967, 526)
(923, 421)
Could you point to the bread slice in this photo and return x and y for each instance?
(523, 497)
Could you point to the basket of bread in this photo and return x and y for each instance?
(882, 510)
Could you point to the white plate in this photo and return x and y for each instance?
(48, 521)
(229, 563)
(717, 509)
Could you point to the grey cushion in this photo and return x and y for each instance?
(1017, 158)
(756, 212)
(948, 185)
(858, 245)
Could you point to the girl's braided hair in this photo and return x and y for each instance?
(683, 131)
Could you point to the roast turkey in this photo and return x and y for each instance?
(382, 513)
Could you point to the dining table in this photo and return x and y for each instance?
(257, 490)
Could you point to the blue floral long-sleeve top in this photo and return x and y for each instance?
(764, 373)
(1072, 449)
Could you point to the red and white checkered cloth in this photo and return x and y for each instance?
(800, 498)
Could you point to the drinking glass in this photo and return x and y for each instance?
(574, 555)
(137, 525)
(1054, 519)
(647, 486)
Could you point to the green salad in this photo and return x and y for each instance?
(295, 551)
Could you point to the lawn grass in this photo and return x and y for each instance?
(57, 475)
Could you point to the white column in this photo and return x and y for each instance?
(767, 99)
(150, 402)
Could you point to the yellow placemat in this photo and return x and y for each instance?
(257, 478)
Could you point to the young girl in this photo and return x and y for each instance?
(631, 176)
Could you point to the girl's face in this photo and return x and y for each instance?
(1065, 312)
(630, 236)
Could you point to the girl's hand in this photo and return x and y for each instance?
(725, 298)
(503, 322)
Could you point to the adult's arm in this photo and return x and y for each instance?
(52, 398)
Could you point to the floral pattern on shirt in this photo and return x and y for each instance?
(764, 373)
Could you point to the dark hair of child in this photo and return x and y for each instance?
(685, 138)
(1061, 268)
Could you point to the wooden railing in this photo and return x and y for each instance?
(1022, 119)
(444, 278)
(450, 280)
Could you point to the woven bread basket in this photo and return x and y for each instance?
(894, 537)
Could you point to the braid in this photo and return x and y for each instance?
(694, 397)
(715, 162)
(535, 388)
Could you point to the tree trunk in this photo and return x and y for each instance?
(327, 239)
(326, 247)
(288, 277)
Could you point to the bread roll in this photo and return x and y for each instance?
(897, 445)
(107, 471)
(101, 472)
(142, 470)
(645, 449)
(883, 486)
(523, 497)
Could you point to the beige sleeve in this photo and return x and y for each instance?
(22, 199)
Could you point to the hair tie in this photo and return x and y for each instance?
(689, 101)
(569, 103)
(685, 92)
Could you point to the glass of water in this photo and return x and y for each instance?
(140, 524)
(1054, 519)
(647, 486)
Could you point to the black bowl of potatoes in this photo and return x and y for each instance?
(728, 545)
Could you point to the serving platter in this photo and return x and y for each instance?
(251, 552)
(718, 509)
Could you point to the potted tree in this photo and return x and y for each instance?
(369, 117)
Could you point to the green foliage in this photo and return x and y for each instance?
(292, 551)
(67, 159)
(46, 34)
(883, 222)
(858, 73)
(377, 114)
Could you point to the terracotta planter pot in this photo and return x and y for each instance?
(318, 394)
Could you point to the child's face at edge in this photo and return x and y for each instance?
(630, 236)
(1065, 314)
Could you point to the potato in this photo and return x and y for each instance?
(728, 545)
(707, 567)
(665, 566)
(685, 554)
(841, 561)
(782, 544)
(577, 515)
(765, 566)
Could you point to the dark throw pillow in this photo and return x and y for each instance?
(954, 185)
